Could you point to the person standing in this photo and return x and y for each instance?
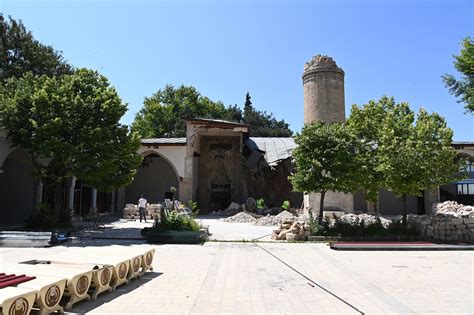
(142, 203)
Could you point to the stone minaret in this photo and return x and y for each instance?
(323, 83)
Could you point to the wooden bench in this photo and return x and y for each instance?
(50, 291)
(147, 261)
(119, 265)
(15, 300)
(77, 284)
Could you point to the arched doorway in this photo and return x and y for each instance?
(16, 188)
(154, 178)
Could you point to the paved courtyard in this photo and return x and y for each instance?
(281, 278)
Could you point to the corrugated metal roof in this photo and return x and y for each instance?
(276, 149)
(463, 142)
(164, 141)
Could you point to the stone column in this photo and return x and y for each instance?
(431, 197)
(93, 209)
(39, 194)
(70, 194)
(113, 207)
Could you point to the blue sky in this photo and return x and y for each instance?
(226, 48)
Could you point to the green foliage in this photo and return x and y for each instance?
(415, 155)
(399, 151)
(314, 227)
(325, 160)
(176, 222)
(263, 124)
(72, 120)
(193, 206)
(360, 228)
(21, 53)
(463, 88)
(45, 218)
(162, 114)
(364, 123)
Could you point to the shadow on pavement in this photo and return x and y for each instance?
(87, 306)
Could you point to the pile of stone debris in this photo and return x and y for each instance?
(453, 208)
(268, 220)
(241, 217)
(292, 230)
(152, 210)
(249, 206)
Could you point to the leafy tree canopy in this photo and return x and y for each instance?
(325, 160)
(263, 124)
(162, 114)
(415, 153)
(20, 52)
(365, 123)
(463, 88)
(73, 121)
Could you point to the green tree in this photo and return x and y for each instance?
(463, 88)
(162, 113)
(72, 121)
(365, 124)
(263, 124)
(325, 160)
(415, 155)
(21, 53)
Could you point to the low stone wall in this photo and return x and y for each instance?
(131, 211)
(450, 221)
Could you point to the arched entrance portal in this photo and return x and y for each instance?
(154, 179)
(16, 188)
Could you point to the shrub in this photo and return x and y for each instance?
(360, 227)
(176, 222)
(193, 206)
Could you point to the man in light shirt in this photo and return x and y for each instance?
(142, 203)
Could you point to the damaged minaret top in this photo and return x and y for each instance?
(321, 63)
(323, 83)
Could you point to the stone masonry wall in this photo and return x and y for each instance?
(450, 221)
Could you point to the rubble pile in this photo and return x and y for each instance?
(453, 208)
(450, 221)
(241, 217)
(292, 230)
(232, 209)
(275, 220)
(152, 211)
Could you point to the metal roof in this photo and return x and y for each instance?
(164, 141)
(276, 149)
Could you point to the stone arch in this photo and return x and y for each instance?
(16, 188)
(154, 178)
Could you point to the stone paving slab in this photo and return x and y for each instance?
(281, 278)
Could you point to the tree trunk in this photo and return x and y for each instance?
(404, 219)
(321, 208)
